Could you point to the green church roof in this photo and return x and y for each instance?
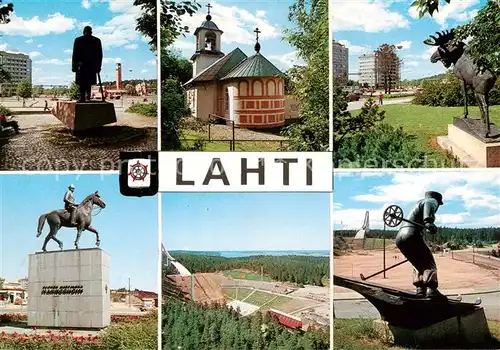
(254, 66)
(220, 67)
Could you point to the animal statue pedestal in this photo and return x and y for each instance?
(467, 330)
(69, 289)
(83, 116)
(466, 140)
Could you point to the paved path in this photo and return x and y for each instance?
(29, 330)
(362, 308)
(355, 105)
(45, 144)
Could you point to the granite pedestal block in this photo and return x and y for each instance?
(470, 149)
(470, 331)
(83, 116)
(69, 289)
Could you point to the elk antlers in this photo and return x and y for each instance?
(442, 38)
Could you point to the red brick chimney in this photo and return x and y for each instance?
(118, 76)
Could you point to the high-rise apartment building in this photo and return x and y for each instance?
(340, 62)
(19, 67)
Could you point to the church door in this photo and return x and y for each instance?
(230, 102)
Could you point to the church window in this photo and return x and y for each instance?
(210, 39)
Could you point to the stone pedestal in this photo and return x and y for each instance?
(82, 116)
(466, 330)
(69, 289)
(470, 149)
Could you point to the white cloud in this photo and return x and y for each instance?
(131, 46)
(365, 15)
(120, 30)
(29, 41)
(405, 44)
(68, 51)
(426, 55)
(144, 71)
(237, 24)
(54, 61)
(39, 45)
(107, 60)
(287, 60)
(34, 54)
(456, 10)
(152, 62)
(411, 63)
(86, 4)
(56, 23)
(355, 49)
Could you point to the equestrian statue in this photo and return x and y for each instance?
(74, 215)
(482, 80)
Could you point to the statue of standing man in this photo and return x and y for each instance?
(86, 62)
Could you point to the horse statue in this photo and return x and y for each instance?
(61, 218)
(481, 80)
(5, 11)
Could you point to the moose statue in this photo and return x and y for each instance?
(5, 11)
(481, 80)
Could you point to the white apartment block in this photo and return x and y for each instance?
(19, 67)
(368, 69)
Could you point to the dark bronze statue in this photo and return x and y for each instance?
(86, 62)
(5, 11)
(481, 80)
(410, 241)
(62, 218)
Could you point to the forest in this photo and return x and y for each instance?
(290, 268)
(458, 236)
(187, 325)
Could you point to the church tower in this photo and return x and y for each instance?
(208, 43)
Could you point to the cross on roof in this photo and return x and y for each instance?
(257, 31)
(209, 7)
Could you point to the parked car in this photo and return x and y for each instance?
(353, 97)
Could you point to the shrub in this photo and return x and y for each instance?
(5, 111)
(145, 109)
(131, 334)
(447, 92)
(173, 110)
(383, 146)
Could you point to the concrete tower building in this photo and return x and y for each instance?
(118, 76)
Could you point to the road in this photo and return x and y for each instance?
(355, 105)
(363, 309)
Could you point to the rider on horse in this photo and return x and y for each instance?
(69, 203)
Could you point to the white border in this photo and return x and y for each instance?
(160, 274)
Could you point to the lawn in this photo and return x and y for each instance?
(275, 303)
(372, 243)
(237, 293)
(260, 298)
(241, 275)
(358, 334)
(426, 123)
(190, 138)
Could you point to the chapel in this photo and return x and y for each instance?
(246, 91)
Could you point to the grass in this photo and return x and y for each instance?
(276, 302)
(237, 293)
(427, 123)
(190, 137)
(145, 109)
(241, 275)
(358, 334)
(260, 298)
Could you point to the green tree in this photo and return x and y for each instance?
(483, 30)
(174, 66)
(310, 38)
(24, 90)
(171, 19)
(5, 76)
(74, 91)
(146, 21)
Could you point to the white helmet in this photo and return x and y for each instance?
(71, 187)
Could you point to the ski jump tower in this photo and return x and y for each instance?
(359, 240)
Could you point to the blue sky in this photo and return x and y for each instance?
(46, 30)
(246, 221)
(471, 198)
(127, 227)
(238, 20)
(364, 25)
